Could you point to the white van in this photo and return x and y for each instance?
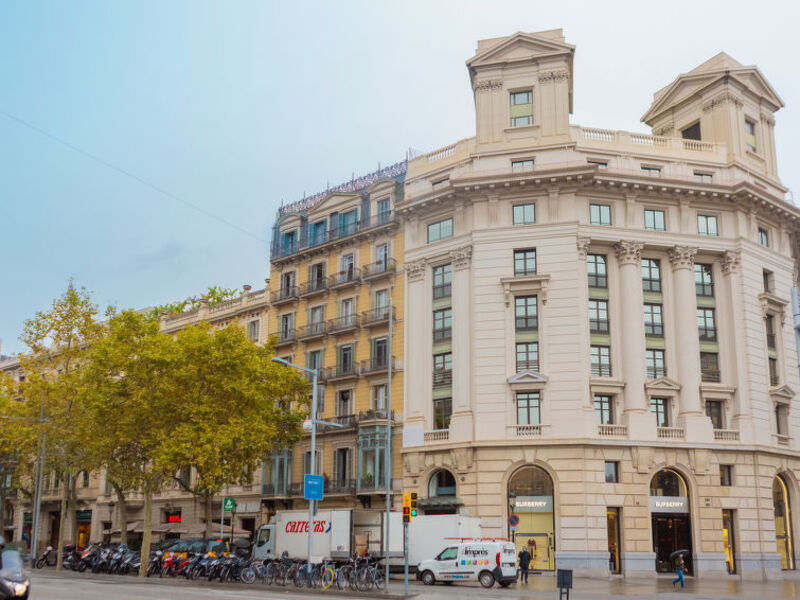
(486, 561)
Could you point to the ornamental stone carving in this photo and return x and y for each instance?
(415, 271)
(461, 258)
(554, 76)
(628, 253)
(583, 246)
(731, 261)
(682, 257)
(490, 84)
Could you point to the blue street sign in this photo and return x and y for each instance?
(513, 521)
(312, 487)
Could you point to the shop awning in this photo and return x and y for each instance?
(440, 502)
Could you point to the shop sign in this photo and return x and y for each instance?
(27, 518)
(83, 516)
(174, 517)
(533, 504)
(669, 504)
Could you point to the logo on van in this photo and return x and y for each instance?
(475, 551)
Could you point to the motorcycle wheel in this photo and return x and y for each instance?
(248, 575)
(82, 567)
(41, 563)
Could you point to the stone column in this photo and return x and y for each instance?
(461, 426)
(636, 413)
(417, 388)
(687, 345)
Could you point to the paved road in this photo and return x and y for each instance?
(47, 585)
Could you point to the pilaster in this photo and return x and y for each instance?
(461, 421)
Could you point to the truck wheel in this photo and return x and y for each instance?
(429, 579)
(486, 579)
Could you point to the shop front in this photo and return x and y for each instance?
(784, 537)
(530, 494)
(84, 520)
(671, 521)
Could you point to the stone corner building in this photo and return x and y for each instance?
(600, 338)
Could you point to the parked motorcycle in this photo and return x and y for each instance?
(70, 557)
(45, 559)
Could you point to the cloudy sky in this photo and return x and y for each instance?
(117, 119)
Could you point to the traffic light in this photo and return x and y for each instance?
(413, 504)
(407, 507)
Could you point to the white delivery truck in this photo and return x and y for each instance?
(487, 561)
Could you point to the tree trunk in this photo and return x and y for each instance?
(148, 522)
(73, 513)
(123, 515)
(209, 518)
(62, 522)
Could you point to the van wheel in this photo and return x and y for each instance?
(428, 578)
(486, 579)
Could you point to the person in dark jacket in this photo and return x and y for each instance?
(524, 562)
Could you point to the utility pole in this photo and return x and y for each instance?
(388, 466)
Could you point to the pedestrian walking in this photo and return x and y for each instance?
(524, 562)
(680, 566)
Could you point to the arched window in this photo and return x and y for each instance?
(441, 483)
(530, 481)
(783, 522)
(668, 483)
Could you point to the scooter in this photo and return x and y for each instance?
(44, 559)
(14, 583)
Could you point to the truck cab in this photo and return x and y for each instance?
(264, 548)
(484, 561)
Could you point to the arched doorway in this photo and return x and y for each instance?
(783, 522)
(530, 497)
(671, 523)
(442, 499)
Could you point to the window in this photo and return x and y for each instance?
(85, 479)
(379, 397)
(382, 257)
(703, 177)
(654, 220)
(442, 325)
(346, 359)
(442, 277)
(525, 262)
(287, 284)
(442, 409)
(381, 300)
(707, 225)
(769, 281)
(440, 230)
(709, 367)
(773, 371)
(528, 357)
(763, 237)
(347, 267)
(601, 361)
(612, 471)
(654, 359)
(288, 242)
(521, 108)
(660, 408)
(384, 211)
(316, 232)
(441, 183)
(651, 171)
(600, 164)
(705, 325)
(344, 403)
(346, 308)
(715, 412)
(781, 422)
(750, 135)
(314, 359)
(726, 475)
(442, 369)
(692, 132)
(596, 267)
(600, 214)
(651, 275)
(252, 330)
(598, 316)
(703, 280)
(524, 214)
(307, 462)
(448, 554)
(287, 327)
(380, 358)
(341, 466)
(525, 313)
(769, 322)
(653, 320)
(521, 166)
(528, 408)
(316, 276)
(604, 410)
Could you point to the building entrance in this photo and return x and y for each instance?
(530, 494)
(671, 521)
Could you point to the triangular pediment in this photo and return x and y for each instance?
(663, 384)
(519, 47)
(528, 377)
(783, 391)
(331, 201)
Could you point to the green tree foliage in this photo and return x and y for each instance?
(213, 295)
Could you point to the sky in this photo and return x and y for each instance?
(145, 147)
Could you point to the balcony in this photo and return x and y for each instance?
(656, 372)
(612, 431)
(284, 295)
(346, 422)
(295, 489)
(601, 370)
(368, 484)
(707, 334)
(528, 431)
(270, 489)
(710, 375)
(374, 415)
(670, 433)
(375, 317)
(726, 435)
(312, 330)
(345, 278)
(598, 325)
(442, 378)
(343, 324)
(286, 336)
(340, 486)
(376, 365)
(341, 372)
(436, 435)
(313, 287)
(527, 365)
(379, 269)
(445, 334)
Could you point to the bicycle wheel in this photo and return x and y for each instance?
(328, 575)
(363, 580)
(378, 579)
(342, 577)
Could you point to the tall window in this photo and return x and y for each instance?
(654, 219)
(379, 397)
(692, 132)
(763, 237)
(768, 278)
(345, 359)
(442, 277)
(287, 326)
(347, 266)
(524, 214)
(307, 462)
(344, 403)
(253, 330)
(528, 408)
(440, 230)
(705, 325)
(521, 108)
(384, 211)
(703, 280)
(773, 371)
(707, 225)
(601, 361)
(596, 267)
(525, 262)
(781, 419)
(341, 467)
(750, 135)
(654, 359)
(600, 214)
(598, 316)
(709, 367)
(314, 359)
(527, 357)
(770, 325)
(604, 409)
(651, 275)
(653, 320)
(521, 166)
(525, 313)
(715, 412)
(660, 408)
(382, 256)
(442, 409)
(442, 325)
(380, 357)
(442, 369)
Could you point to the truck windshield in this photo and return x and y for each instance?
(448, 554)
(263, 536)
